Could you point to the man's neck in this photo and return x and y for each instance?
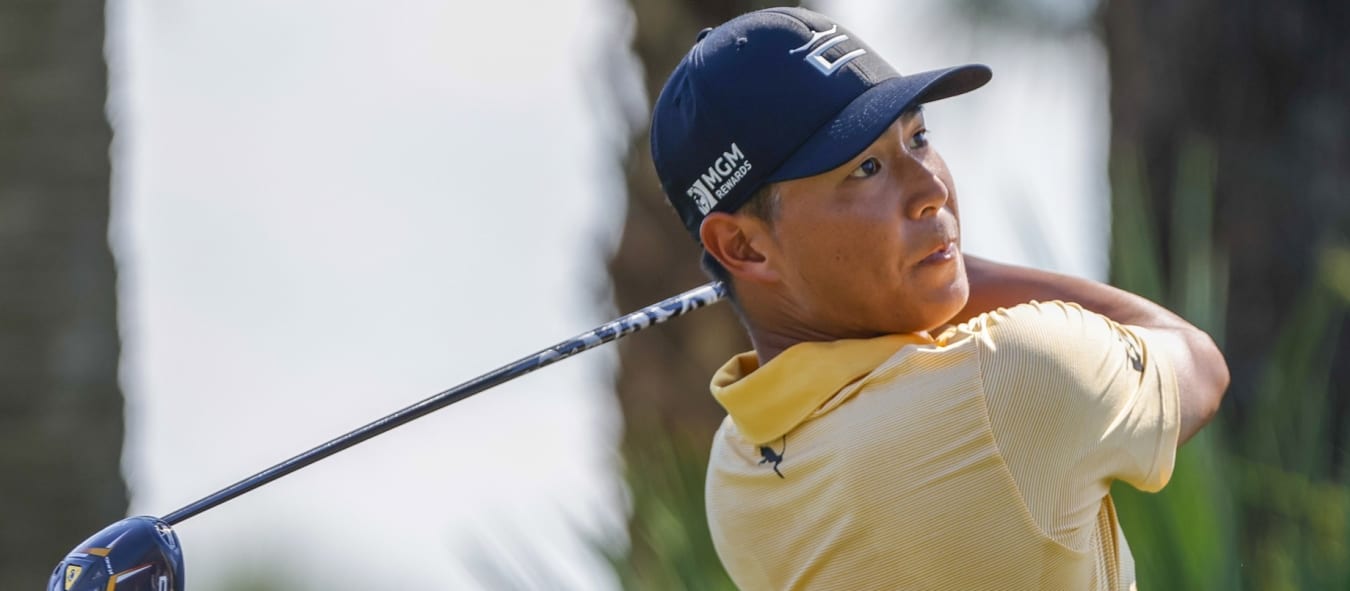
(776, 324)
(769, 345)
(770, 342)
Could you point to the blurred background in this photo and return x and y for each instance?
(230, 231)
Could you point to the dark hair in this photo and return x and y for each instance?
(762, 205)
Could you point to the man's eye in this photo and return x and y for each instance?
(868, 168)
(919, 140)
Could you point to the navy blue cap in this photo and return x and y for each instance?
(774, 95)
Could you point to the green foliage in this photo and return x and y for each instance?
(671, 547)
(1255, 502)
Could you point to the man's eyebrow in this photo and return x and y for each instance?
(911, 111)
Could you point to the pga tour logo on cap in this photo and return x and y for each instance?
(720, 178)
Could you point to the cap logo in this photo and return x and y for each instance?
(720, 178)
(815, 58)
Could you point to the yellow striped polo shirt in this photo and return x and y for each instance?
(981, 459)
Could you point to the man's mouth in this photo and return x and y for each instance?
(944, 252)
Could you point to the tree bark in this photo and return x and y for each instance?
(662, 382)
(60, 405)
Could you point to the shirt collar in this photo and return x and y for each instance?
(767, 402)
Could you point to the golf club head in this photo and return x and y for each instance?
(134, 554)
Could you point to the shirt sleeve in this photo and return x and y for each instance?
(1077, 399)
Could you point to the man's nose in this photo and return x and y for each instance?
(922, 189)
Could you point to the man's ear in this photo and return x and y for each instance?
(739, 242)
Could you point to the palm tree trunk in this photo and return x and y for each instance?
(662, 383)
(60, 404)
(1264, 88)
(1235, 112)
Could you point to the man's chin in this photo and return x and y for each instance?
(937, 314)
(948, 307)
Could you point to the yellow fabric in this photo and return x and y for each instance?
(981, 459)
(818, 371)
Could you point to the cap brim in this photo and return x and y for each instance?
(864, 119)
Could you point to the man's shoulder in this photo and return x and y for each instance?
(1051, 340)
(1032, 322)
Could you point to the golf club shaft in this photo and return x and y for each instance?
(654, 314)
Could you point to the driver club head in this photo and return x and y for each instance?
(134, 554)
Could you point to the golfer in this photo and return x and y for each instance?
(911, 417)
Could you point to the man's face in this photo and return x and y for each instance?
(872, 247)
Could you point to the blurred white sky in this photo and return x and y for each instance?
(327, 210)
